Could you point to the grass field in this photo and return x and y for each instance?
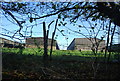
(59, 53)
(65, 65)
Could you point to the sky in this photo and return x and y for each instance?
(62, 0)
(8, 28)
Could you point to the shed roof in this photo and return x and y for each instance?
(38, 38)
(85, 40)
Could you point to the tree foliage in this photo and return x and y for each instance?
(71, 10)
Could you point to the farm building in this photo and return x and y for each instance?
(35, 42)
(6, 41)
(84, 44)
(114, 48)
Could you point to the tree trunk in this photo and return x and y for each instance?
(107, 40)
(53, 34)
(45, 56)
(111, 42)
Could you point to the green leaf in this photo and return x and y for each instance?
(64, 24)
(38, 5)
(59, 16)
(43, 3)
(59, 24)
(63, 19)
(79, 25)
(20, 5)
(54, 6)
(62, 31)
(65, 16)
(93, 19)
(92, 27)
(76, 10)
(76, 6)
(31, 19)
(95, 24)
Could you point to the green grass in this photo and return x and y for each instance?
(39, 52)
(26, 51)
(65, 64)
(24, 66)
(57, 53)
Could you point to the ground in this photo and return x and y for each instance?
(20, 66)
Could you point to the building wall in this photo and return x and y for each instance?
(41, 46)
(57, 47)
(114, 48)
(84, 44)
(102, 44)
(38, 41)
(82, 47)
(71, 46)
(3, 41)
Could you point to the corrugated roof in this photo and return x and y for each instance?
(85, 40)
(39, 38)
